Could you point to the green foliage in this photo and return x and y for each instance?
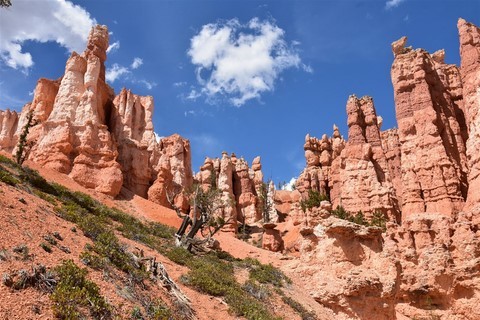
(265, 204)
(265, 273)
(8, 161)
(313, 200)
(210, 275)
(306, 315)
(46, 247)
(379, 220)
(24, 146)
(8, 178)
(179, 255)
(248, 307)
(93, 260)
(214, 274)
(75, 294)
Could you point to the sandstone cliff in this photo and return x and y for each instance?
(102, 141)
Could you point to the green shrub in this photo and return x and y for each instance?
(179, 255)
(92, 260)
(211, 275)
(8, 161)
(379, 220)
(46, 247)
(8, 178)
(313, 200)
(248, 307)
(265, 273)
(75, 294)
(306, 315)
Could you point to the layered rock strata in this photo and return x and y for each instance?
(8, 126)
(430, 163)
(470, 74)
(241, 187)
(103, 142)
(430, 126)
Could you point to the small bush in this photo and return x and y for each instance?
(6, 160)
(75, 294)
(92, 260)
(8, 178)
(306, 315)
(255, 290)
(379, 220)
(23, 251)
(265, 273)
(211, 275)
(179, 255)
(313, 200)
(46, 247)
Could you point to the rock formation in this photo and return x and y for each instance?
(8, 126)
(239, 184)
(428, 106)
(174, 171)
(103, 142)
(470, 74)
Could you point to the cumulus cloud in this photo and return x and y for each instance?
(113, 47)
(240, 61)
(137, 62)
(42, 21)
(115, 72)
(393, 4)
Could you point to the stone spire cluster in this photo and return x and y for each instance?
(431, 163)
(102, 141)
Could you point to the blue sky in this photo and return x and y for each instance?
(250, 77)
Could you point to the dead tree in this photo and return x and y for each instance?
(206, 210)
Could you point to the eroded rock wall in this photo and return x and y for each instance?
(433, 159)
(470, 74)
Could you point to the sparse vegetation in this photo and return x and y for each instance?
(40, 278)
(295, 305)
(24, 146)
(75, 294)
(313, 200)
(46, 247)
(378, 219)
(213, 274)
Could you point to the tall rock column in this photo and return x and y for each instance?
(225, 184)
(8, 126)
(245, 195)
(75, 138)
(132, 128)
(363, 181)
(174, 171)
(470, 72)
(430, 135)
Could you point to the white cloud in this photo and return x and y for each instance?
(42, 21)
(149, 85)
(393, 4)
(180, 84)
(115, 72)
(290, 184)
(137, 62)
(189, 113)
(240, 61)
(113, 47)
